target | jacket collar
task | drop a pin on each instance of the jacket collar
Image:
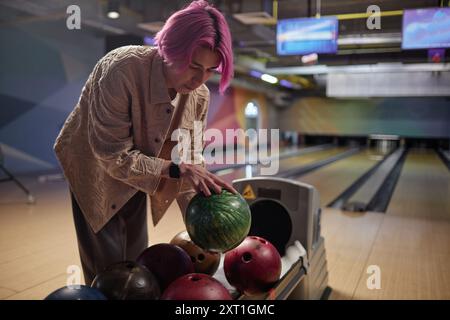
(159, 91)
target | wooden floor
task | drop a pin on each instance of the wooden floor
(336, 177)
(423, 187)
(38, 243)
(413, 255)
(410, 243)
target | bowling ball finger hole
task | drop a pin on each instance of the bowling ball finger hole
(193, 259)
(201, 257)
(195, 278)
(247, 257)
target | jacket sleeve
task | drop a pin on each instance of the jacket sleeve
(110, 130)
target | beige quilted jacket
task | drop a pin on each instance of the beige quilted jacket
(111, 144)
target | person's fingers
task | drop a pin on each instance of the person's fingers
(208, 182)
(195, 183)
(213, 185)
(205, 189)
(198, 188)
(230, 188)
(224, 184)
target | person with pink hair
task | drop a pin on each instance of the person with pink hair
(116, 147)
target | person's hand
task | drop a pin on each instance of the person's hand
(202, 180)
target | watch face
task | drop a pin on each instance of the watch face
(174, 171)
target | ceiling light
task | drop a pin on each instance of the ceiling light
(113, 14)
(310, 58)
(113, 11)
(268, 78)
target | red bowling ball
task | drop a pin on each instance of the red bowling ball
(196, 286)
(167, 262)
(253, 267)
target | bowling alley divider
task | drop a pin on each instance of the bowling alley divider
(183, 310)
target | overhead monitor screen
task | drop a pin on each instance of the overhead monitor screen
(307, 35)
(426, 28)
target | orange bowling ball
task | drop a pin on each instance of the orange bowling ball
(204, 261)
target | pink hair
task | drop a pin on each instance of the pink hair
(199, 24)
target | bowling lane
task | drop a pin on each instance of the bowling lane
(284, 164)
(333, 179)
(416, 224)
(357, 241)
(423, 189)
(284, 152)
(349, 237)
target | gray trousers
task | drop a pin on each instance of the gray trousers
(123, 238)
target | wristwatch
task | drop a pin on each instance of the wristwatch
(174, 170)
